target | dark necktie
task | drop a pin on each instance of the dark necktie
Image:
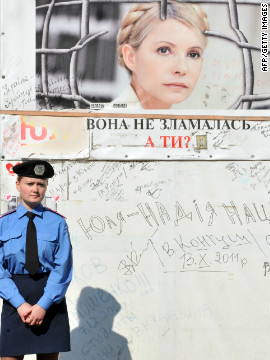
(31, 255)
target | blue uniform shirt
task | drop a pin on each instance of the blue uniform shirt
(54, 250)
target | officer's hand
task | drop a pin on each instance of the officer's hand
(35, 315)
(23, 310)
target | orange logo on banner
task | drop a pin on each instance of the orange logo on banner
(33, 131)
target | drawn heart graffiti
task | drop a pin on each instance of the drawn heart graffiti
(7, 197)
(9, 167)
(56, 198)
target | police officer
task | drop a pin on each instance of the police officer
(35, 271)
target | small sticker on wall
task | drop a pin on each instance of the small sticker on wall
(12, 201)
(56, 198)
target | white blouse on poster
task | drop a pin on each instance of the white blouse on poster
(129, 97)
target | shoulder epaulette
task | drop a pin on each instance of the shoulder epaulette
(54, 212)
(8, 212)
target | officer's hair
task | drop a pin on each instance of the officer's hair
(19, 178)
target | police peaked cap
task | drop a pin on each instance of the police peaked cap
(34, 169)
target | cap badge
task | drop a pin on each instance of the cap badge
(39, 169)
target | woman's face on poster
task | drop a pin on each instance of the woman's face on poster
(166, 66)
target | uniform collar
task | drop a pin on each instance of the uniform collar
(21, 210)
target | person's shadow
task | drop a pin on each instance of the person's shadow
(94, 338)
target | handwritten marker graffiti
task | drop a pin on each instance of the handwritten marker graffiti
(266, 266)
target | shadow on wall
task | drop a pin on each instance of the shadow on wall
(94, 338)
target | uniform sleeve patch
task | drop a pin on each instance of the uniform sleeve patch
(8, 212)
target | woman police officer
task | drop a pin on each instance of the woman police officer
(35, 271)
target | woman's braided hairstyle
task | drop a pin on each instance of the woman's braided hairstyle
(142, 17)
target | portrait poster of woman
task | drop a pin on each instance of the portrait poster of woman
(203, 56)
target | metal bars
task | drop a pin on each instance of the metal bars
(244, 101)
